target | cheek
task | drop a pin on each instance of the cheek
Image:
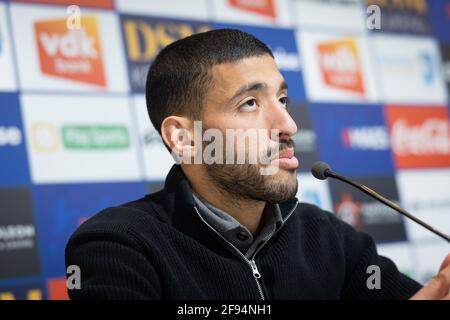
(257, 119)
(247, 132)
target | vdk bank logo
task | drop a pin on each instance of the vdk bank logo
(71, 53)
(340, 65)
(47, 137)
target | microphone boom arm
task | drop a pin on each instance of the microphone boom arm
(387, 202)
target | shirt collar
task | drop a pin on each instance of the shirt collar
(236, 233)
(176, 203)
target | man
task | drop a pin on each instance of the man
(228, 229)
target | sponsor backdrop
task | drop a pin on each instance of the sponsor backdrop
(75, 136)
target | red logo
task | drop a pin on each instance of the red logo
(57, 289)
(420, 136)
(262, 7)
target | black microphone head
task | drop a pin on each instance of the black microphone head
(319, 170)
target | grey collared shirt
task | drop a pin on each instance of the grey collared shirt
(234, 232)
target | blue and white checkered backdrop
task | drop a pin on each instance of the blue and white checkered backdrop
(75, 136)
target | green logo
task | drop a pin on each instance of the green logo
(89, 137)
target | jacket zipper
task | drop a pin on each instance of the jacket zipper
(251, 262)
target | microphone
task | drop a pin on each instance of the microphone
(322, 171)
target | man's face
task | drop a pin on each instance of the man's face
(251, 95)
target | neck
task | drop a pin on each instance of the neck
(246, 211)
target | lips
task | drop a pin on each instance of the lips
(286, 154)
(286, 159)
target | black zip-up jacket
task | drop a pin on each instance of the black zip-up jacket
(158, 247)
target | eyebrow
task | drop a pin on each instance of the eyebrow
(253, 86)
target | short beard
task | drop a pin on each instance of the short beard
(245, 181)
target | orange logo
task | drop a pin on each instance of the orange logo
(262, 7)
(340, 65)
(420, 136)
(71, 54)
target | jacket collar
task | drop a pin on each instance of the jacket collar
(179, 204)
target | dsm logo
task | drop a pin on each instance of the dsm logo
(145, 36)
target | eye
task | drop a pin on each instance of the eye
(284, 101)
(248, 105)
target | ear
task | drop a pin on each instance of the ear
(177, 133)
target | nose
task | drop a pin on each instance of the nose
(282, 120)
